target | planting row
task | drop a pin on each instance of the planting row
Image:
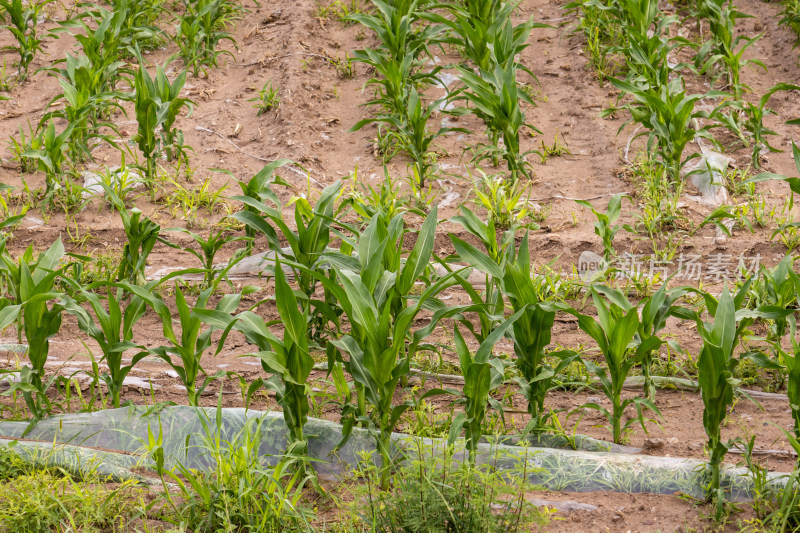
(358, 303)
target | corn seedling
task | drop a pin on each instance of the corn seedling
(183, 352)
(157, 104)
(201, 29)
(753, 121)
(287, 359)
(87, 95)
(496, 100)
(655, 310)
(606, 227)
(615, 331)
(259, 189)
(306, 245)
(791, 361)
(37, 308)
(481, 376)
(142, 234)
(483, 32)
(52, 155)
(113, 332)
(267, 99)
(666, 113)
(491, 261)
(531, 334)
(377, 303)
(716, 365)
(24, 23)
(410, 130)
(723, 47)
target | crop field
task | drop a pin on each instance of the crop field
(399, 265)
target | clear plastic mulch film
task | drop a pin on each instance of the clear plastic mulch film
(112, 443)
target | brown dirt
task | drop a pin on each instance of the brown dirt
(311, 127)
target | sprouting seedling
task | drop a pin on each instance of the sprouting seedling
(606, 227)
(267, 99)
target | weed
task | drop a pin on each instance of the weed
(557, 149)
(190, 201)
(267, 99)
(30, 142)
(435, 492)
(504, 202)
(238, 493)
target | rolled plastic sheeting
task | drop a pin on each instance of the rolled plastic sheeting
(125, 430)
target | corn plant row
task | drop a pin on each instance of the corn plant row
(93, 81)
(369, 281)
(638, 33)
(489, 43)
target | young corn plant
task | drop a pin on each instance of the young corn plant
(777, 288)
(716, 365)
(37, 308)
(51, 156)
(112, 331)
(724, 46)
(287, 359)
(495, 98)
(606, 227)
(306, 244)
(142, 234)
(531, 335)
(380, 309)
(23, 24)
(157, 104)
(615, 331)
(483, 32)
(411, 133)
(259, 189)
(655, 310)
(184, 352)
(202, 27)
(747, 121)
(482, 374)
(791, 361)
(491, 261)
(88, 93)
(666, 113)
(715, 374)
